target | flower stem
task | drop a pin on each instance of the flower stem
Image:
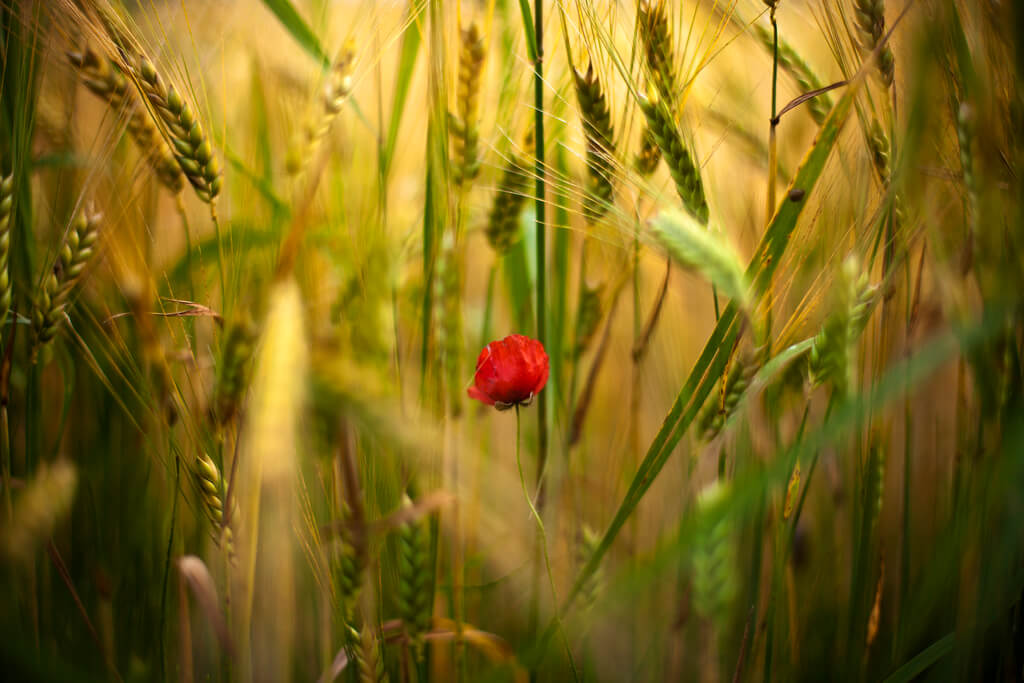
(544, 548)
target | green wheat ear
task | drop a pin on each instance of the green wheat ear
(600, 137)
(684, 171)
(513, 190)
(714, 559)
(52, 298)
(870, 16)
(831, 356)
(415, 579)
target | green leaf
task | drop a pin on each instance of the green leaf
(290, 18)
(406, 68)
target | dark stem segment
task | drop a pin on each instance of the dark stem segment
(538, 100)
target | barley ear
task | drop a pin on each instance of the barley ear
(702, 250)
(799, 70)
(448, 284)
(718, 409)
(189, 143)
(6, 204)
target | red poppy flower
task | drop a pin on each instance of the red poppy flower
(510, 372)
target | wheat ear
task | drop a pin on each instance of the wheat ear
(831, 355)
(684, 172)
(233, 377)
(211, 489)
(464, 126)
(105, 79)
(415, 579)
(75, 253)
(513, 189)
(190, 145)
(599, 134)
(871, 27)
(656, 36)
(336, 90)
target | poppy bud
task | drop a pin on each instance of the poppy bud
(510, 372)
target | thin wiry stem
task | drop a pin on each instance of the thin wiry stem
(544, 547)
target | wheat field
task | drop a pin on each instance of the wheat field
(511, 340)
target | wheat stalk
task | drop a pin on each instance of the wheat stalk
(6, 204)
(189, 143)
(792, 63)
(105, 79)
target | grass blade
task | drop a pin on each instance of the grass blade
(293, 22)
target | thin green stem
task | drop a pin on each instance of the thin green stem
(544, 548)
